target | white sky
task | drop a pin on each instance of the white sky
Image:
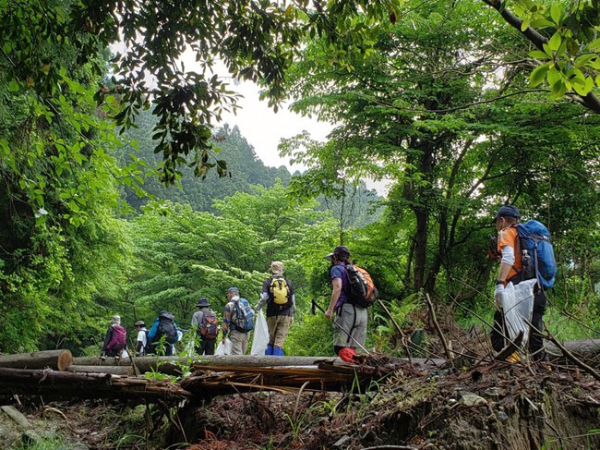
(264, 129)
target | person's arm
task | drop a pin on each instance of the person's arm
(262, 302)
(152, 331)
(508, 255)
(336, 285)
(226, 320)
(264, 295)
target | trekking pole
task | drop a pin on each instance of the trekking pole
(314, 312)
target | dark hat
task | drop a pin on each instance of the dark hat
(508, 211)
(233, 290)
(340, 250)
(202, 303)
(139, 323)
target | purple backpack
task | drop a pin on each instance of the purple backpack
(118, 339)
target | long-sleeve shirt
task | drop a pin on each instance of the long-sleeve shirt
(227, 316)
(154, 330)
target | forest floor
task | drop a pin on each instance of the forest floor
(497, 406)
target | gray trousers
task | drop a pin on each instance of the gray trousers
(239, 342)
(351, 321)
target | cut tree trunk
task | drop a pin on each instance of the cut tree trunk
(587, 347)
(54, 359)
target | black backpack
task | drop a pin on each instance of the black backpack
(166, 327)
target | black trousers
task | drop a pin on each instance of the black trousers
(536, 342)
(206, 347)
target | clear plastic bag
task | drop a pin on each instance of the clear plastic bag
(224, 348)
(517, 305)
(261, 335)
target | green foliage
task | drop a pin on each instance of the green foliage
(182, 255)
(301, 340)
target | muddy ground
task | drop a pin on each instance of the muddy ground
(497, 406)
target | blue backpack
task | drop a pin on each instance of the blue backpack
(537, 253)
(244, 316)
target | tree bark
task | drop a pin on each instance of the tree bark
(168, 364)
(66, 385)
(587, 347)
(112, 370)
(54, 359)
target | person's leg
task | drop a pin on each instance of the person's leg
(244, 339)
(201, 347)
(236, 342)
(359, 332)
(209, 346)
(498, 332)
(536, 341)
(283, 327)
(168, 349)
(342, 326)
(272, 324)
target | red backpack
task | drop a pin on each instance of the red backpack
(208, 326)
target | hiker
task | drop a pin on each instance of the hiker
(141, 343)
(350, 320)
(204, 321)
(512, 270)
(115, 339)
(238, 321)
(164, 325)
(278, 294)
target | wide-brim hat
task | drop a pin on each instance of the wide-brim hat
(202, 303)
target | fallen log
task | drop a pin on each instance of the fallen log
(54, 359)
(113, 370)
(588, 347)
(169, 364)
(66, 385)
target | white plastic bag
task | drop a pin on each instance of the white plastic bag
(517, 305)
(261, 335)
(224, 348)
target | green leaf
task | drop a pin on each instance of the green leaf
(553, 76)
(559, 89)
(598, 80)
(555, 12)
(595, 44)
(538, 54)
(538, 74)
(524, 25)
(542, 23)
(555, 42)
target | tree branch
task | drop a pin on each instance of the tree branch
(590, 101)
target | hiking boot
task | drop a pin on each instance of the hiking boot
(514, 358)
(269, 350)
(277, 351)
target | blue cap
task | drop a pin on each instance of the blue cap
(508, 211)
(233, 290)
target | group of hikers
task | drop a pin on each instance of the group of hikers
(524, 251)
